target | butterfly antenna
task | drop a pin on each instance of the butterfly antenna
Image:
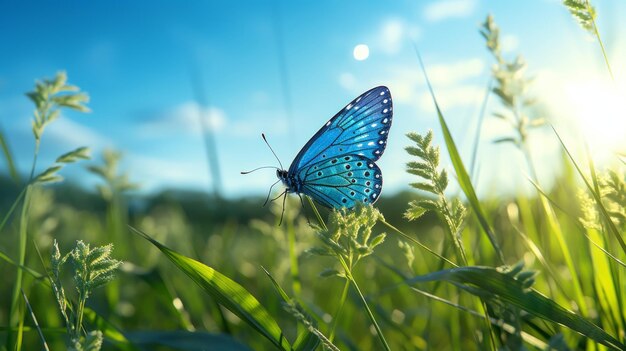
(269, 193)
(256, 169)
(268, 145)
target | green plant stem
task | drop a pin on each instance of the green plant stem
(9, 158)
(555, 228)
(28, 270)
(16, 315)
(317, 214)
(597, 33)
(342, 301)
(529, 161)
(20, 331)
(36, 154)
(453, 231)
(369, 312)
(293, 258)
(448, 218)
(13, 207)
(32, 314)
(456, 239)
(481, 117)
(79, 315)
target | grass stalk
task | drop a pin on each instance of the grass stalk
(79, 314)
(463, 177)
(20, 329)
(296, 284)
(208, 135)
(317, 214)
(603, 211)
(16, 315)
(8, 156)
(555, 228)
(481, 118)
(32, 315)
(6, 217)
(337, 315)
(596, 32)
(349, 276)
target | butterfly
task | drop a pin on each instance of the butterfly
(337, 166)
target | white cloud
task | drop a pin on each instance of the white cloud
(68, 133)
(347, 81)
(393, 34)
(449, 81)
(453, 73)
(267, 122)
(184, 119)
(452, 97)
(405, 87)
(153, 172)
(445, 9)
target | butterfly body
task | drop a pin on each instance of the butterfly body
(289, 181)
(337, 166)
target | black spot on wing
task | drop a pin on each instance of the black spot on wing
(341, 187)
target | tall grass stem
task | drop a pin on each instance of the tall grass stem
(349, 276)
(597, 34)
(337, 315)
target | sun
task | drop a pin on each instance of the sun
(361, 52)
(599, 107)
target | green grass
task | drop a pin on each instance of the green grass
(423, 270)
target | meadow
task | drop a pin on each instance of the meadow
(106, 269)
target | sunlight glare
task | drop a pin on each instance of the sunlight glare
(600, 110)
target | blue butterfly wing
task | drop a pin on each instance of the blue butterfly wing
(342, 181)
(360, 128)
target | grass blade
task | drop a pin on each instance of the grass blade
(32, 315)
(591, 240)
(28, 270)
(605, 214)
(16, 316)
(9, 158)
(6, 217)
(227, 292)
(305, 340)
(479, 127)
(490, 283)
(462, 175)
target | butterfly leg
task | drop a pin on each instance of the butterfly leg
(269, 193)
(279, 195)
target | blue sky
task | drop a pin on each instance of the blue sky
(136, 60)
